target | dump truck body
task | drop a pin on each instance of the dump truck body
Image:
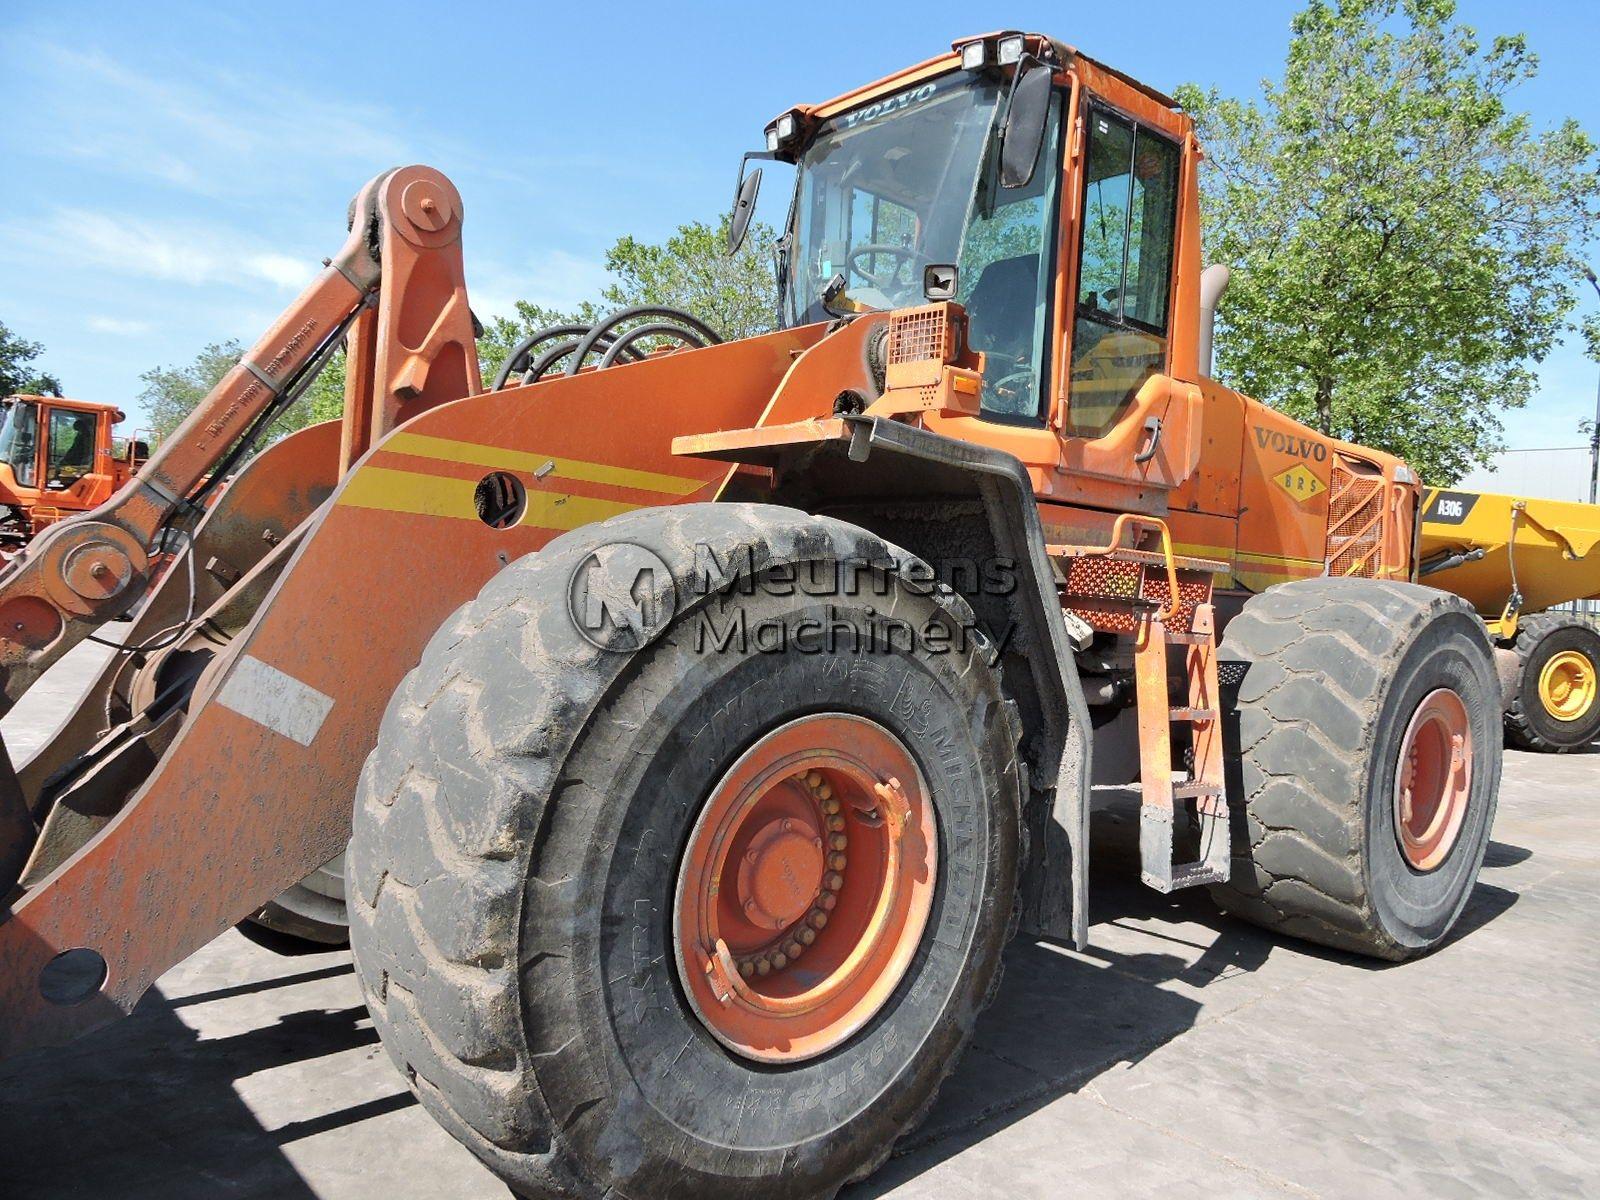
(1517, 559)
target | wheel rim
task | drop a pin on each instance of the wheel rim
(805, 888)
(1567, 685)
(1433, 780)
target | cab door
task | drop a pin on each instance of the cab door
(69, 459)
(1125, 420)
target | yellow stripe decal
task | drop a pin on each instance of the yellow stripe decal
(438, 496)
(449, 450)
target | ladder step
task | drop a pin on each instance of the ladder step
(1190, 639)
(1195, 788)
(1197, 715)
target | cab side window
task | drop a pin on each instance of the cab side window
(71, 454)
(1129, 216)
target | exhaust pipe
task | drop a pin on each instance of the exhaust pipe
(1213, 282)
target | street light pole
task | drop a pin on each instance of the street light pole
(1594, 434)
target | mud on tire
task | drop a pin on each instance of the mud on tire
(517, 834)
(1322, 678)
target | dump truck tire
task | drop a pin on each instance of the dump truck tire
(1328, 682)
(1555, 703)
(523, 857)
(312, 910)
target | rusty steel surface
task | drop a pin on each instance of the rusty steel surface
(805, 887)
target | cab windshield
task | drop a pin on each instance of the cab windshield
(889, 188)
(884, 190)
(19, 439)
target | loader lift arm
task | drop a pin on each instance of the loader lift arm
(85, 571)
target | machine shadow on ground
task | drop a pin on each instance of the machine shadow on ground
(1062, 1019)
(149, 1108)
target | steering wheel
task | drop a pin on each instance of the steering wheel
(900, 254)
(1016, 391)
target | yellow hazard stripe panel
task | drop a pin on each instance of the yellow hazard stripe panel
(438, 496)
(449, 450)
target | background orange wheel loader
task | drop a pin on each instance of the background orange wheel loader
(712, 712)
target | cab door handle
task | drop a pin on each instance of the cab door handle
(1152, 433)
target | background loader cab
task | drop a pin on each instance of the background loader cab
(59, 456)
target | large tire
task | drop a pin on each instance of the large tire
(1326, 677)
(517, 834)
(1546, 643)
(312, 910)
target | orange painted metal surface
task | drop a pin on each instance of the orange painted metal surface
(66, 481)
(805, 887)
(297, 693)
(1433, 779)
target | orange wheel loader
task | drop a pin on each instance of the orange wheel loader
(711, 713)
(58, 457)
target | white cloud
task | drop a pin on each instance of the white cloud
(557, 279)
(119, 326)
(186, 252)
(202, 130)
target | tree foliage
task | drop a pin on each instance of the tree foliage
(17, 373)
(734, 294)
(171, 393)
(1405, 243)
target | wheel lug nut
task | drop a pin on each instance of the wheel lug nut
(807, 936)
(779, 962)
(824, 791)
(830, 807)
(837, 862)
(819, 920)
(814, 778)
(838, 841)
(747, 969)
(834, 882)
(762, 966)
(793, 950)
(835, 824)
(827, 900)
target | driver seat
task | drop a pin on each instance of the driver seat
(1001, 307)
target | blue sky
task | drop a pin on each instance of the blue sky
(171, 173)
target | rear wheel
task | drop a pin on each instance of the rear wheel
(312, 910)
(1367, 759)
(697, 919)
(1555, 704)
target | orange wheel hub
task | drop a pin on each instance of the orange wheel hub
(1433, 780)
(805, 887)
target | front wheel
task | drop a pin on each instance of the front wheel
(709, 918)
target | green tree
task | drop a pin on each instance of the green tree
(1405, 243)
(692, 270)
(17, 375)
(171, 393)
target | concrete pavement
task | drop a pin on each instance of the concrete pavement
(1181, 1051)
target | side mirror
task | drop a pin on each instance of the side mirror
(1023, 132)
(744, 207)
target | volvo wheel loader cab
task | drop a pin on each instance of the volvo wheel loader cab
(755, 689)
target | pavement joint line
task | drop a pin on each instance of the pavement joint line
(1277, 1181)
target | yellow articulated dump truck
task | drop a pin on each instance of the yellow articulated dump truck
(1515, 559)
